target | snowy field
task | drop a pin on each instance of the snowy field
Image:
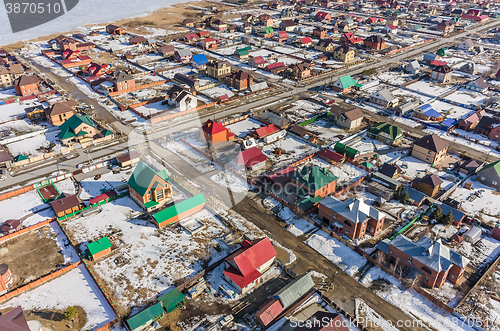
(108, 181)
(28, 205)
(296, 225)
(198, 161)
(155, 258)
(30, 146)
(152, 108)
(413, 167)
(338, 253)
(75, 288)
(467, 97)
(294, 149)
(12, 110)
(242, 128)
(429, 88)
(463, 141)
(346, 172)
(229, 181)
(218, 91)
(451, 111)
(487, 207)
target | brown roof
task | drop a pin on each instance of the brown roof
(26, 80)
(431, 180)
(58, 108)
(127, 157)
(354, 114)
(16, 69)
(299, 130)
(67, 202)
(14, 320)
(432, 142)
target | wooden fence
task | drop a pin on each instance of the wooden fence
(138, 87)
(16, 192)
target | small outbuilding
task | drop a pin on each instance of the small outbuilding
(172, 300)
(99, 248)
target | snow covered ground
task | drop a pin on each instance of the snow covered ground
(485, 250)
(463, 141)
(23, 205)
(413, 167)
(75, 288)
(227, 180)
(429, 88)
(338, 253)
(29, 146)
(346, 173)
(155, 258)
(296, 225)
(242, 128)
(200, 162)
(486, 207)
(108, 181)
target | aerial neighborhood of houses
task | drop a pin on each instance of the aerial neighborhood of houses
(240, 165)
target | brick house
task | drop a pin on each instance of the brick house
(488, 126)
(265, 20)
(66, 204)
(214, 132)
(325, 46)
(208, 43)
(218, 69)
(240, 80)
(95, 69)
(26, 85)
(218, 25)
(347, 119)
(244, 268)
(343, 53)
(59, 112)
(490, 175)
(429, 184)
(299, 71)
(10, 74)
(314, 181)
(442, 73)
(471, 121)
(320, 32)
(431, 149)
(433, 260)
(115, 30)
(374, 42)
(352, 217)
(149, 188)
(77, 129)
(322, 16)
(122, 81)
(446, 26)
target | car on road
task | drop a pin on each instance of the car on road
(2, 177)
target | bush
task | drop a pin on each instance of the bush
(405, 198)
(437, 213)
(368, 72)
(70, 313)
(448, 219)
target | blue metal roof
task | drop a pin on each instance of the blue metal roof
(200, 59)
(432, 113)
(449, 122)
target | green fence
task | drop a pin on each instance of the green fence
(100, 203)
(43, 184)
(309, 121)
(411, 222)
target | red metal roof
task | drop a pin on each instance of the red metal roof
(250, 157)
(102, 197)
(275, 65)
(331, 155)
(212, 127)
(265, 131)
(249, 259)
(438, 63)
(240, 280)
(306, 40)
(269, 311)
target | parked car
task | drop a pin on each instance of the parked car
(2, 177)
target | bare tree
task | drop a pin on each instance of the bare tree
(380, 258)
(415, 281)
(394, 266)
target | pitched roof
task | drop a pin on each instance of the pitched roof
(265, 130)
(354, 114)
(495, 165)
(122, 76)
(393, 131)
(295, 289)
(386, 95)
(200, 59)
(70, 125)
(331, 155)
(145, 316)
(252, 255)
(68, 201)
(430, 179)
(26, 80)
(179, 208)
(347, 81)
(388, 169)
(14, 320)
(355, 210)
(212, 127)
(58, 108)
(442, 68)
(481, 83)
(432, 142)
(314, 177)
(374, 39)
(99, 245)
(250, 157)
(142, 177)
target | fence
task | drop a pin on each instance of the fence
(27, 229)
(25, 136)
(408, 47)
(16, 192)
(163, 116)
(29, 97)
(138, 87)
(234, 120)
(100, 203)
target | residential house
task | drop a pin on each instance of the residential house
(390, 28)
(95, 69)
(431, 149)
(145, 318)
(469, 167)
(181, 99)
(390, 170)
(265, 20)
(431, 57)
(137, 40)
(490, 175)
(13, 319)
(267, 32)
(350, 38)
(331, 156)
(466, 45)
(427, 113)
(243, 53)
(199, 61)
(66, 204)
(245, 28)
(10, 74)
(218, 69)
(281, 36)
(304, 42)
(191, 82)
(384, 98)
(179, 210)
(435, 261)
(446, 26)
(470, 67)
(188, 22)
(128, 159)
(343, 53)
(122, 81)
(299, 71)
(251, 159)
(208, 43)
(276, 68)
(413, 67)
(240, 80)
(257, 62)
(218, 25)
(322, 16)
(325, 46)
(442, 73)
(263, 131)
(386, 133)
(347, 119)
(191, 38)
(183, 55)
(352, 217)
(486, 125)
(204, 34)
(26, 85)
(115, 30)
(244, 268)
(59, 112)
(77, 128)
(215, 133)
(429, 184)
(167, 50)
(149, 188)
(314, 181)
(374, 42)
(287, 25)
(320, 32)
(471, 121)
(344, 84)
(479, 85)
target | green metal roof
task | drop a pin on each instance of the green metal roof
(268, 29)
(150, 204)
(106, 132)
(495, 165)
(343, 149)
(347, 81)
(179, 208)
(367, 164)
(142, 176)
(308, 202)
(20, 157)
(244, 50)
(65, 135)
(147, 315)
(295, 289)
(99, 245)
(82, 133)
(172, 299)
(314, 177)
(68, 127)
(393, 131)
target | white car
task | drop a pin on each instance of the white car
(2, 177)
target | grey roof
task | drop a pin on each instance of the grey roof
(274, 119)
(384, 178)
(295, 289)
(429, 252)
(386, 94)
(258, 86)
(184, 52)
(410, 105)
(414, 194)
(122, 76)
(355, 210)
(413, 65)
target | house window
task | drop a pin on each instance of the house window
(410, 260)
(334, 215)
(429, 152)
(427, 270)
(427, 158)
(159, 195)
(494, 182)
(426, 279)
(347, 231)
(452, 276)
(347, 223)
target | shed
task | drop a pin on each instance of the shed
(294, 290)
(140, 320)
(269, 311)
(473, 235)
(128, 159)
(346, 150)
(99, 248)
(172, 300)
(180, 210)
